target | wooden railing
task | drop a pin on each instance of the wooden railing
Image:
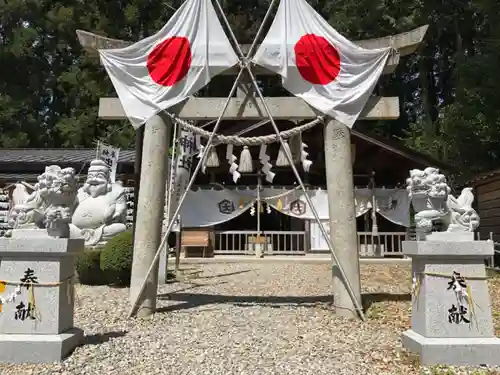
(382, 244)
(492, 261)
(296, 243)
(234, 242)
(271, 242)
(290, 242)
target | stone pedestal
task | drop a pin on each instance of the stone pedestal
(51, 336)
(432, 335)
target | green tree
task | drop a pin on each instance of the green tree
(50, 87)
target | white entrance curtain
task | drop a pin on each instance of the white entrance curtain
(394, 205)
(203, 208)
(294, 204)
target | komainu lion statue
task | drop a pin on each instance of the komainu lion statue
(430, 197)
(95, 212)
(51, 205)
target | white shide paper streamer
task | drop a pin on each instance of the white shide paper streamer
(266, 166)
(231, 159)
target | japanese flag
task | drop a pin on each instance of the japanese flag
(164, 69)
(319, 65)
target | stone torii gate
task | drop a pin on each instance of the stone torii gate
(339, 174)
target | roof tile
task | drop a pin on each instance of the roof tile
(57, 155)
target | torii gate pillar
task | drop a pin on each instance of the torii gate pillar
(343, 234)
(154, 167)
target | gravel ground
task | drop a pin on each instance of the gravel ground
(245, 319)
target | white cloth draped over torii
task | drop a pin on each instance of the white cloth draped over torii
(163, 69)
(204, 208)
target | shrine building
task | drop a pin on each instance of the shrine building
(281, 221)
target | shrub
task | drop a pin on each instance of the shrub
(88, 268)
(116, 259)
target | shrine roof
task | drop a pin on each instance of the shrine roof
(397, 147)
(483, 178)
(19, 176)
(67, 156)
(57, 155)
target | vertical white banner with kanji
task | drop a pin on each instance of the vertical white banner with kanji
(182, 172)
(110, 155)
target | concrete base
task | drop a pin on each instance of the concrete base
(453, 351)
(38, 348)
(450, 236)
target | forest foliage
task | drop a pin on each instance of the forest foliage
(450, 101)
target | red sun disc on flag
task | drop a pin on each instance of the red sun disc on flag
(170, 60)
(317, 60)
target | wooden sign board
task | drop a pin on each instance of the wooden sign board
(195, 237)
(259, 239)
